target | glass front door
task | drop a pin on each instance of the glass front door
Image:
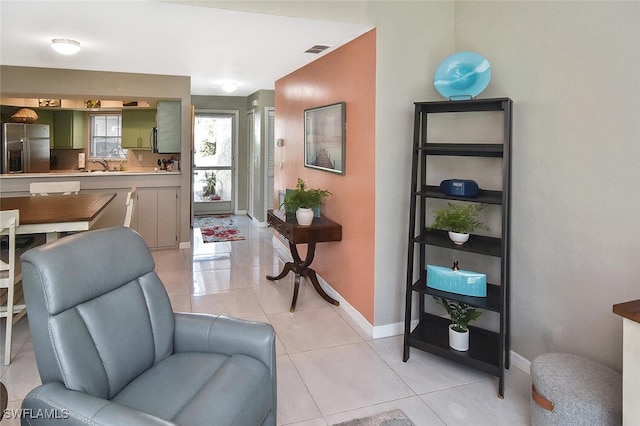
(213, 165)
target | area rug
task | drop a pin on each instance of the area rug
(215, 229)
(390, 418)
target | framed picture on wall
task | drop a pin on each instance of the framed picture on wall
(324, 138)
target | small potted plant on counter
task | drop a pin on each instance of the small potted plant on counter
(302, 200)
(459, 220)
(461, 315)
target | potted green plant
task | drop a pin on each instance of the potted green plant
(210, 180)
(302, 200)
(459, 220)
(461, 315)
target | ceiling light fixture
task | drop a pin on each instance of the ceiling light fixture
(229, 86)
(65, 46)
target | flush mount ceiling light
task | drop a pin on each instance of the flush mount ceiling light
(65, 46)
(229, 86)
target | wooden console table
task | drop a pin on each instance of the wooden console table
(321, 230)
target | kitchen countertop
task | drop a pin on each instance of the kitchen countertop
(16, 184)
(78, 173)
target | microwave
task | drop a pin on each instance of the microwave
(153, 139)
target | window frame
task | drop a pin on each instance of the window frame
(123, 152)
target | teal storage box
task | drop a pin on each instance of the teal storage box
(457, 281)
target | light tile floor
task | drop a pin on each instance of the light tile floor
(329, 371)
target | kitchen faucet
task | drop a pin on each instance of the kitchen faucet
(102, 162)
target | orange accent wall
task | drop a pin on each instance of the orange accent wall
(346, 74)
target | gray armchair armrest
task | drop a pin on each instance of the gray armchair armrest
(52, 403)
(229, 336)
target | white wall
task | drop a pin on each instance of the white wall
(412, 40)
(573, 72)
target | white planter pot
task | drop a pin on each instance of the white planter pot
(304, 216)
(458, 341)
(458, 238)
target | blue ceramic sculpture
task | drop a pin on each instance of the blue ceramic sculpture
(463, 75)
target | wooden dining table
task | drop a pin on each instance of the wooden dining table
(53, 214)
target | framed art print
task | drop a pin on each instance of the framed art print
(324, 138)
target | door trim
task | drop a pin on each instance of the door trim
(234, 154)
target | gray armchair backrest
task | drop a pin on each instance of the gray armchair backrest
(98, 313)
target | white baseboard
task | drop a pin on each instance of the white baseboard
(352, 313)
(257, 223)
(520, 362)
(389, 330)
(283, 250)
(381, 331)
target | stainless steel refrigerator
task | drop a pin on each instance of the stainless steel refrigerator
(25, 148)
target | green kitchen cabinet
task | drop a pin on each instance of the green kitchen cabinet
(136, 128)
(169, 129)
(70, 129)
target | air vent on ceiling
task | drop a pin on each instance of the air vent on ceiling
(317, 48)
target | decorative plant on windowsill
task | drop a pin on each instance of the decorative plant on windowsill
(304, 199)
(461, 315)
(459, 220)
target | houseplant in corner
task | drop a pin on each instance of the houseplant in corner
(459, 220)
(302, 200)
(461, 315)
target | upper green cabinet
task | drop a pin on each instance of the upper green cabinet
(69, 129)
(169, 129)
(136, 128)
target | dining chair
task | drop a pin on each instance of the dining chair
(46, 188)
(131, 201)
(9, 277)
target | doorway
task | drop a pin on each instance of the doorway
(261, 143)
(213, 173)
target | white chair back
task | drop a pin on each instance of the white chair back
(46, 188)
(131, 201)
(9, 220)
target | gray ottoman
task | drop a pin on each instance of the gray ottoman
(572, 390)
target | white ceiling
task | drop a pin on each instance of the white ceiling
(209, 45)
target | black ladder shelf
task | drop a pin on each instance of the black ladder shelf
(488, 350)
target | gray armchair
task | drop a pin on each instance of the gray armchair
(110, 351)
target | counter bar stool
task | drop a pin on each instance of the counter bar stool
(9, 219)
(46, 188)
(131, 201)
